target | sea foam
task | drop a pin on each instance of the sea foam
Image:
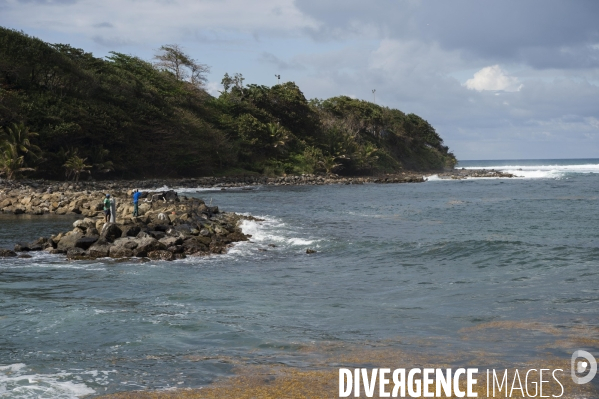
(17, 381)
(542, 171)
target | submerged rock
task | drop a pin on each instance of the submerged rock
(7, 253)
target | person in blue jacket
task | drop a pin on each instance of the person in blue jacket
(136, 195)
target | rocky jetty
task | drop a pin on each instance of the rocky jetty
(459, 174)
(168, 227)
(39, 197)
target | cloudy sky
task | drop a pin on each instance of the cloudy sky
(501, 79)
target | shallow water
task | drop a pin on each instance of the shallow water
(508, 267)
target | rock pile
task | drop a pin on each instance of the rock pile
(168, 228)
(459, 174)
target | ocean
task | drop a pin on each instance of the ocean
(475, 272)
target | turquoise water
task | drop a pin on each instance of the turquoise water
(416, 261)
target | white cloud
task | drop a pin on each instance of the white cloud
(493, 78)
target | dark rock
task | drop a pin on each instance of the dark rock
(100, 249)
(22, 247)
(111, 232)
(73, 252)
(147, 245)
(157, 234)
(236, 236)
(177, 249)
(86, 242)
(91, 232)
(126, 242)
(7, 253)
(171, 241)
(25, 256)
(161, 227)
(56, 251)
(143, 234)
(161, 255)
(180, 256)
(120, 252)
(131, 231)
(204, 240)
(310, 251)
(41, 243)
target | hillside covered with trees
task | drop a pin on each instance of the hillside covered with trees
(64, 112)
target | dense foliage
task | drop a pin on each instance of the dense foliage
(126, 117)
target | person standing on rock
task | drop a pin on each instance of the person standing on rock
(136, 195)
(107, 208)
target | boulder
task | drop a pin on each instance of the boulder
(126, 242)
(54, 251)
(120, 252)
(177, 249)
(131, 231)
(7, 253)
(86, 242)
(237, 236)
(205, 232)
(193, 245)
(75, 252)
(22, 247)
(69, 239)
(147, 245)
(84, 224)
(161, 255)
(110, 232)
(92, 231)
(157, 234)
(100, 249)
(100, 224)
(171, 241)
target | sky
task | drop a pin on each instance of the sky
(498, 79)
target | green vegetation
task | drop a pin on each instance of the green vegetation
(126, 117)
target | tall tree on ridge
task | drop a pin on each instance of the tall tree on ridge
(171, 58)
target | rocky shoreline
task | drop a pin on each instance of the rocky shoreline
(169, 227)
(459, 174)
(39, 197)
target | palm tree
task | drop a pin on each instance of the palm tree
(329, 163)
(75, 166)
(16, 149)
(278, 135)
(365, 156)
(11, 164)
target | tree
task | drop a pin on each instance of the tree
(75, 166)
(11, 164)
(16, 150)
(171, 58)
(278, 135)
(226, 82)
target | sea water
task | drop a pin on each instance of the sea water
(420, 267)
